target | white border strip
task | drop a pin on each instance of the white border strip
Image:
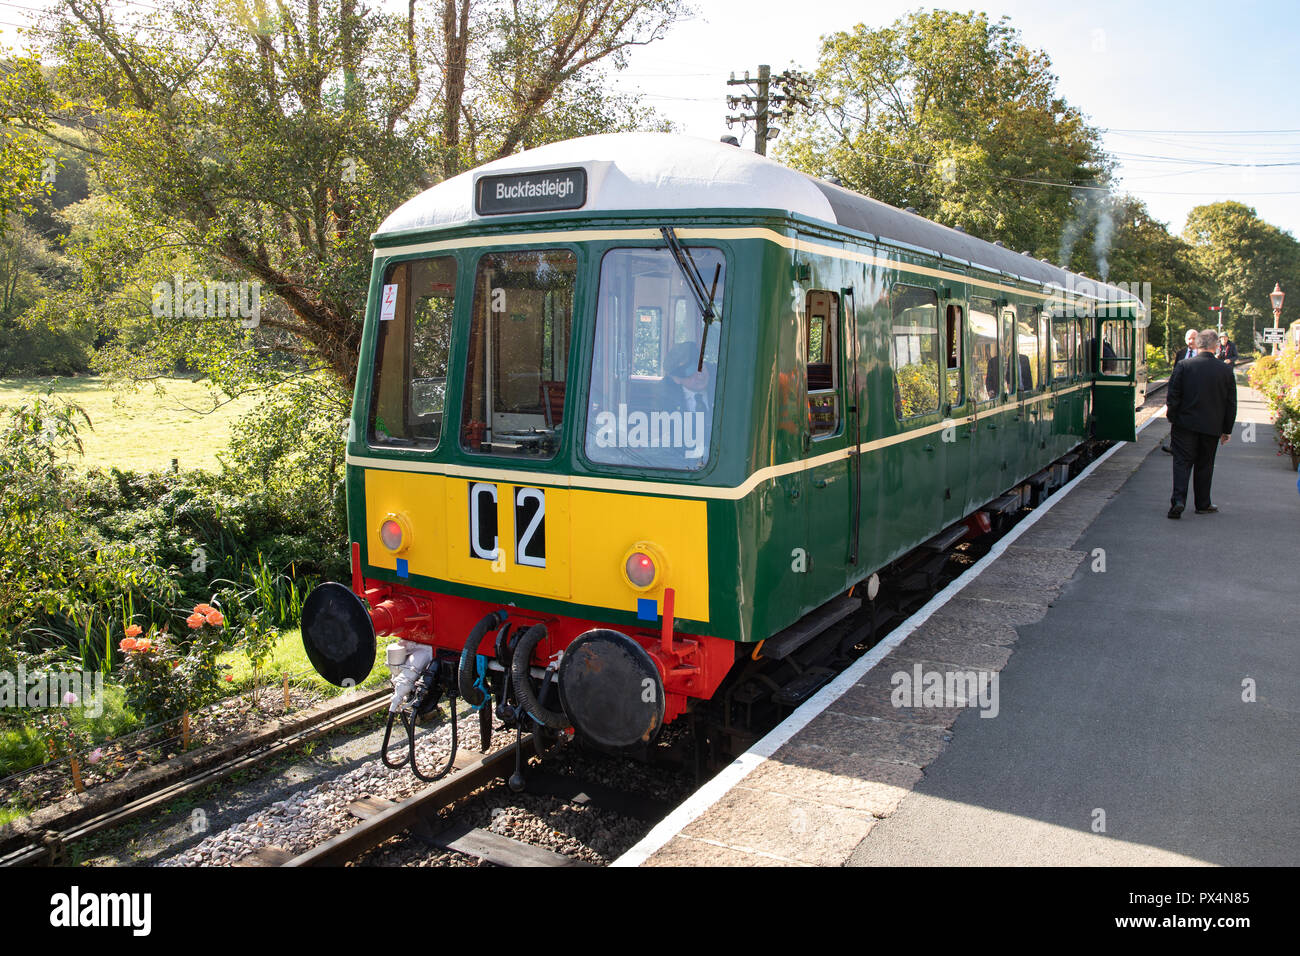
(697, 803)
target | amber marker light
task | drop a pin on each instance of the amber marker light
(643, 566)
(395, 533)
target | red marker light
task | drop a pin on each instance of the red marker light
(640, 569)
(390, 533)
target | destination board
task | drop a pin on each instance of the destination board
(1274, 336)
(531, 192)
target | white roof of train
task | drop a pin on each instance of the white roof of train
(632, 171)
(661, 171)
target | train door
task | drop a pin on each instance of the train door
(832, 426)
(1111, 354)
(958, 438)
(1029, 385)
(983, 382)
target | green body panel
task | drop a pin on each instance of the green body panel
(909, 489)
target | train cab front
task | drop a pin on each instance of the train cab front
(530, 429)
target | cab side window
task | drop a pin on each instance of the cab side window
(822, 360)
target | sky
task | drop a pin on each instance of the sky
(1180, 88)
(1195, 98)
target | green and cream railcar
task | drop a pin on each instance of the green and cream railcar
(652, 399)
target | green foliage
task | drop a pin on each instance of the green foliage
(25, 736)
(64, 582)
(1278, 379)
(951, 114)
(246, 141)
(1143, 251)
(92, 553)
(1159, 365)
(1245, 256)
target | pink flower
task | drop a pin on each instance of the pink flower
(69, 699)
(96, 755)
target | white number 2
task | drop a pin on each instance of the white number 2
(525, 539)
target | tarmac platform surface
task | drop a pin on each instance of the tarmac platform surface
(1147, 706)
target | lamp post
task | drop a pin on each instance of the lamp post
(1276, 297)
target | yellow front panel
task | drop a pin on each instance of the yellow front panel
(605, 525)
(421, 498)
(588, 534)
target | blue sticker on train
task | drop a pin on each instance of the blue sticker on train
(647, 609)
(402, 571)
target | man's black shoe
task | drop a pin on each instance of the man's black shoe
(1166, 449)
(1207, 511)
(1176, 511)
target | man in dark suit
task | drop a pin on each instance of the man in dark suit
(1202, 405)
(1184, 353)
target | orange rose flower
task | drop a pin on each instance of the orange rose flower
(133, 630)
(144, 646)
(195, 621)
(126, 644)
(215, 619)
(202, 608)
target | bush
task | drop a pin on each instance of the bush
(1158, 365)
(164, 677)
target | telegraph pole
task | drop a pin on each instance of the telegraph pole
(1168, 342)
(765, 105)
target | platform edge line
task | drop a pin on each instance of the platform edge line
(702, 799)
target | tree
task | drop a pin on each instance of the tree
(952, 115)
(244, 140)
(1143, 251)
(1244, 256)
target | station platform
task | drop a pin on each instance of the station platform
(1142, 704)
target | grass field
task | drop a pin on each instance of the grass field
(290, 658)
(144, 430)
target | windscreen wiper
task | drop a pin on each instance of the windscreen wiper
(695, 281)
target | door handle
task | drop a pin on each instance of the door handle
(820, 483)
(929, 448)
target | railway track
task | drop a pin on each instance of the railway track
(448, 821)
(52, 844)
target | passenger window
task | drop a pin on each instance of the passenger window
(984, 356)
(914, 351)
(1043, 324)
(411, 352)
(1061, 351)
(823, 310)
(1008, 352)
(1027, 373)
(955, 339)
